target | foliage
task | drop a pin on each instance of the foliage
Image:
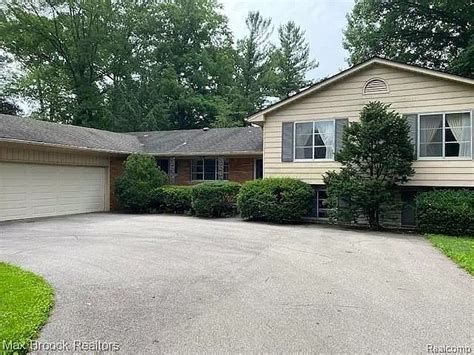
(291, 61)
(26, 300)
(135, 65)
(173, 199)
(281, 200)
(141, 177)
(459, 249)
(435, 34)
(9, 108)
(253, 65)
(376, 154)
(215, 199)
(446, 212)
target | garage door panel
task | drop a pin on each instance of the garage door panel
(29, 190)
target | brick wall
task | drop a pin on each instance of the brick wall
(240, 170)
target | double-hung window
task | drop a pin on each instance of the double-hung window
(314, 140)
(208, 169)
(445, 135)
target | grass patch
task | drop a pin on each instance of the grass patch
(25, 302)
(459, 249)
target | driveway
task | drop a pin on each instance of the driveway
(155, 283)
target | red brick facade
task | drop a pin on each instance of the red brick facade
(241, 169)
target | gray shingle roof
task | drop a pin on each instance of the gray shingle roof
(27, 129)
(236, 140)
(241, 140)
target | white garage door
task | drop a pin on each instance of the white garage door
(30, 190)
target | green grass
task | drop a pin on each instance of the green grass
(25, 302)
(459, 249)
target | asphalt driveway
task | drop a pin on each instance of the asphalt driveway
(155, 283)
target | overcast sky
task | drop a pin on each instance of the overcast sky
(323, 21)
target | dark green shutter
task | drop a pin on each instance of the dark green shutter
(413, 124)
(340, 124)
(287, 141)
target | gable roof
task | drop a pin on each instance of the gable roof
(217, 141)
(259, 115)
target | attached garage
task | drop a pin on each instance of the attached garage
(40, 190)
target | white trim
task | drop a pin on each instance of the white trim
(333, 120)
(260, 115)
(443, 143)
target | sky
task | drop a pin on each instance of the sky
(323, 21)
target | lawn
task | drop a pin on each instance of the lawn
(459, 249)
(25, 302)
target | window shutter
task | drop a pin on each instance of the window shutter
(340, 124)
(287, 141)
(413, 124)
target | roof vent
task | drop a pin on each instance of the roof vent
(375, 86)
(205, 129)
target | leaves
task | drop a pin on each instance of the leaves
(434, 34)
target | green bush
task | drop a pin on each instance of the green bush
(446, 212)
(281, 200)
(173, 199)
(134, 189)
(215, 199)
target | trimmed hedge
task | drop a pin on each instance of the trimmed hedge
(281, 200)
(173, 199)
(448, 212)
(215, 199)
(134, 189)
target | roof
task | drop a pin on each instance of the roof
(238, 140)
(229, 141)
(259, 115)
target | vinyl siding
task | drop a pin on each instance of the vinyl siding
(408, 93)
(22, 153)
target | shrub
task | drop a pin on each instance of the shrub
(134, 189)
(215, 199)
(281, 200)
(446, 212)
(173, 199)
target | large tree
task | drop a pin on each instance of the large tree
(376, 155)
(291, 61)
(253, 64)
(436, 34)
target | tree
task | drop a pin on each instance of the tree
(253, 53)
(377, 154)
(291, 61)
(9, 108)
(434, 34)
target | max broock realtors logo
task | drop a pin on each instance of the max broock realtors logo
(448, 349)
(61, 346)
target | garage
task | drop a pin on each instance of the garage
(41, 190)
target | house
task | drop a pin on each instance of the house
(302, 132)
(49, 169)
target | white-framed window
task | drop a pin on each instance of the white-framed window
(322, 208)
(314, 140)
(445, 135)
(206, 169)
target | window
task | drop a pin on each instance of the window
(314, 140)
(164, 164)
(445, 135)
(322, 207)
(208, 169)
(258, 168)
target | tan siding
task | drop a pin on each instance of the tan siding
(30, 154)
(409, 93)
